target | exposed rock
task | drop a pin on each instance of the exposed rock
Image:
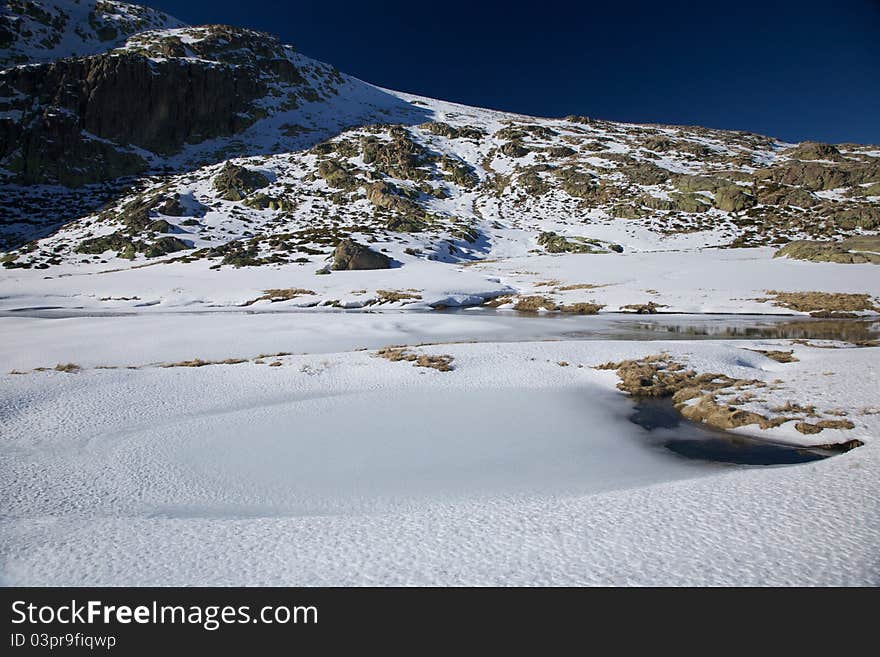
(561, 151)
(576, 183)
(817, 176)
(554, 243)
(406, 224)
(514, 149)
(787, 196)
(171, 207)
(234, 182)
(687, 183)
(151, 96)
(812, 150)
(336, 175)
(733, 198)
(387, 196)
(113, 242)
(645, 173)
(853, 250)
(454, 132)
(400, 157)
(164, 246)
(351, 255)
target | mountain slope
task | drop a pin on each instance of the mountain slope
(44, 30)
(164, 101)
(217, 148)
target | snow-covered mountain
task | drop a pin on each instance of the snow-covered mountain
(221, 147)
(43, 30)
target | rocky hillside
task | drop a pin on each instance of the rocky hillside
(222, 145)
(164, 101)
(44, 30)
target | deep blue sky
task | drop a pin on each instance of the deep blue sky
(793, 70)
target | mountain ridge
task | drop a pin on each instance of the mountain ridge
(245, 154)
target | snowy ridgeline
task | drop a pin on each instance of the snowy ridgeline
(466, 204)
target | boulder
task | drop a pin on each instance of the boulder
(733, 198)
(234, 182)
(349, 255)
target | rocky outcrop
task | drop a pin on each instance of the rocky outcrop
(127, 99)
(350, 255)
(854, 250)
(235, 182)
(149, 95)
(733, 198)
(812, 150)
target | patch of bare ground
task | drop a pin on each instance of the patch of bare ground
(198, 362)
(585, 308)
(474, 263)
(709, 397)
(280, 294)
(70, 368)
(535, 303)
(580, 286)
(392, 296)
(531, 304)
(644, 308)
(778, 356)
(442, 362)
(808, 428)
(823, 304)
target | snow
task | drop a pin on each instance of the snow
(340, 468)
(337, 467)
(696, 280)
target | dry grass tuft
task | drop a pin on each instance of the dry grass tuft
(778, 356)
(442, 362)
(280, 294)
(391, 296)
(820, 304)
(198, 362)
(580, 286)
(644, 308)
(533, 304)
(582, 308)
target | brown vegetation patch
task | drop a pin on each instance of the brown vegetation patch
(585, 308)
(644, 308)
(701, 397)
(198, 362)
(580, 286)
(533, 304)
(808, 428)
(442, 362)
(280, 294)
(823, 302)
(778, 356)
(391, 296)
